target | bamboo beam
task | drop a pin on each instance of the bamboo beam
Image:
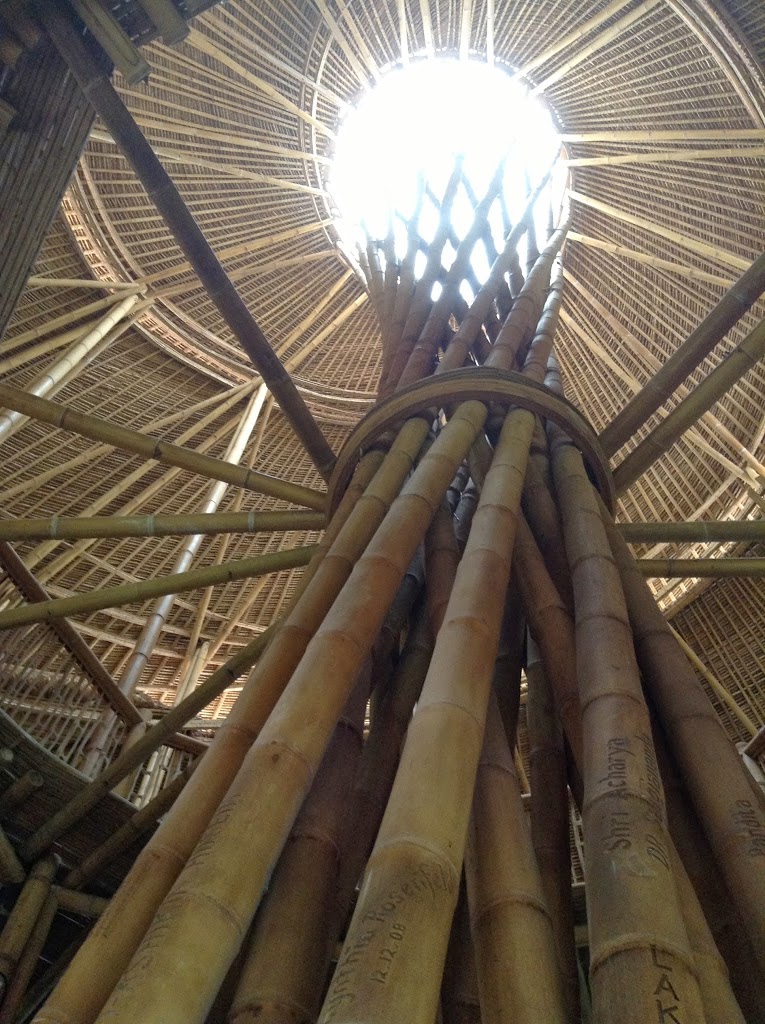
(700, 531)
(700, 568)
(20, 790)
(70, 638)
(177, 583)
(693, 244)
(601, 40)
(66, 418)
(98, 89)
(713, 328)
(703, 397)
(23, 917)
(206, 523)
(652, 261)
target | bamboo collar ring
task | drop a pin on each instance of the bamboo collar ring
(480, 383)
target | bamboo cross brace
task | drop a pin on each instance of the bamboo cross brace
(89, 527)
(178, 583)
(164, 452)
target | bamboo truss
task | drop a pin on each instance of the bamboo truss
(390, 818)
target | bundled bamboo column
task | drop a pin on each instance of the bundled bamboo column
(394, 953)
(639, 948)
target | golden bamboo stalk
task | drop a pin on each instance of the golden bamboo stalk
(715, 325)
(716, 686)
(552, 628)
(550, 821)
(153, 448)
(20, 790)
(11, 869)
(719, 910)
(21, 920)
(717, 781)
(28, 961)
(285, 963)
(639, 947)
(71, 528)
(714, 386)
(178, 583)
(718, 1000)
(81, 903)
(510, 920)
(252, 812)
(421, 841)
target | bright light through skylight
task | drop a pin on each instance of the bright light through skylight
(413, 126)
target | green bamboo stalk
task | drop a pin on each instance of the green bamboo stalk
(97, 429)
(72, 528)
(178, 583)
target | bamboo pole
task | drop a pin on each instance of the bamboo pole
(285, 964)
(639, 948)
(177, 583)
(81, 903)
(11, 869)
(700, 568)
(20, 790)
(703, 397)
(28, 961)
(550, 821)
(717, 781)
(71, 360)
(726, 925)
(205, 523)
(737, 300)
(126, 133)
(22, 918)
(716, 686)
(693, 532)
(153, 448)
(421, 841)
(510, 920)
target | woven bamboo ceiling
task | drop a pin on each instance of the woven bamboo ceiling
(660, 105)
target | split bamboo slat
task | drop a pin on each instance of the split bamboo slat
(392, 821)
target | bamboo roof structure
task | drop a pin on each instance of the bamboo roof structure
(660, 109)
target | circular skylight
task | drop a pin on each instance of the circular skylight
(397, 148)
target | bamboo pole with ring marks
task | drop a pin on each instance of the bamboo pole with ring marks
(153, 448)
